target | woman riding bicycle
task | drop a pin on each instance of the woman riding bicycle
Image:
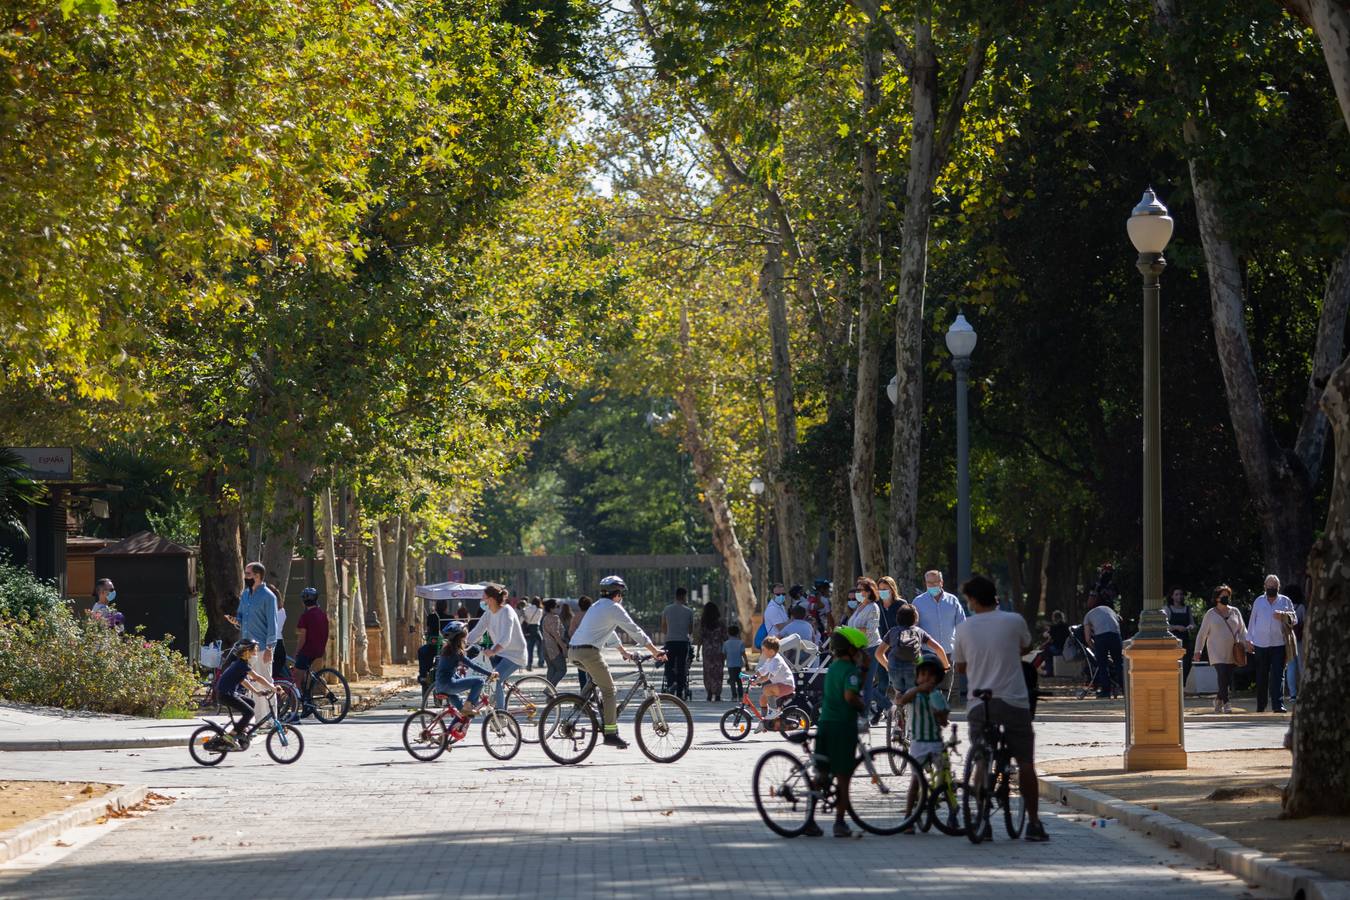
(584, 650)
(500, 623)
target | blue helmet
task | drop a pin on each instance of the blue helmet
(454, 626)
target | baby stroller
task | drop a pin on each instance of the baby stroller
(808, 666)
(1076, 648)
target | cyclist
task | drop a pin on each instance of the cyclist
(988, 650)
(502, 626)
(448, 680)
(584, 650)
(311, 632)
(235, 676)
(837, 728)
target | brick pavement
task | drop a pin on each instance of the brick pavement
(357, 817)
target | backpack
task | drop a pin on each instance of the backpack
(910, 645)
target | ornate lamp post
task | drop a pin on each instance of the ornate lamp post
(757, 487)
(1154, 703)
(961, 340)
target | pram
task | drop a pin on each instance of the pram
(808, 666)
(1076, 648)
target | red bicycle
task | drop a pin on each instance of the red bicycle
(737, 722)
(429, 733)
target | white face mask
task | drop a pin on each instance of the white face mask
(853, 604)
(935, 591)
(885, 594)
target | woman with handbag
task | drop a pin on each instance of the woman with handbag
(1223, 639)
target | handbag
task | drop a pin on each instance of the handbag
(1239, 648)
(209, 655)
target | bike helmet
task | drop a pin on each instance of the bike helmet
(244, 644)
(929, 660)
(610, 584)
(309, 594)
(854, 636)
(454, 626)
(823, 584)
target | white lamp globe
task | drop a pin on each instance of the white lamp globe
(757, 485)
(961, 337)
(893, 388)
(1149, 225)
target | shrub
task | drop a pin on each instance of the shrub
(23, 595)
(59, 660)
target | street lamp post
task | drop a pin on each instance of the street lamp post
(1155, 736)
(757, 487)
(961, 340)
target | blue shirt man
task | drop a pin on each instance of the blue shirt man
(258, 611)
(939, 611)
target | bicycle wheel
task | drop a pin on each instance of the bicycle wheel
(878, 792)
(736, 724)
(425, 735)
(285, 744)
(794, 720)
(331, 701)
(501, 734)
(1009, 794)
(978, 798)
(288, 703)
(783, 795)
(944, 809)
(665, 728)
(202, 745)
(568, 729)
(526, 698)
(895, 728)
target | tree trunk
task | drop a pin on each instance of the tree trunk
(338, 640)
(379, 598)
(862, 471)
(398, 590)
(352, 552)
(1013, 553)
(1320, 782)
(222, 556)
(1330, 20)
(908, 413)
(282, 523)
(793, 545)
(1327, 355)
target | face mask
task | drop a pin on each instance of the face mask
(935, 591)
(112, 595)
(885, 594)
(1272, 592)
(1223, 600)
(248, 583)
(482, 605)
(852, 603)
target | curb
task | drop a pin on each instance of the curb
(1210, 848)
(383, 693)
(32, 834)
(92, 744)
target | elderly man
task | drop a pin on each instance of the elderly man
(1271, 612)
(939, 614)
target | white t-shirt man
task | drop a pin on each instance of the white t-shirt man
(991, 646)
(1102, 620)
(775, 617)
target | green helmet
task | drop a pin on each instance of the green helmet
(854, 636)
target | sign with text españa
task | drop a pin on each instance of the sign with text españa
(47, 463)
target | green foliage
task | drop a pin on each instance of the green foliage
(82, 664)
(22, 595)
(17, 491)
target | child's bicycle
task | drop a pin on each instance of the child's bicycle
(737, 722)
(429, 733)
(991, 780)
(210, 743)
(944, 792)
(788, 789)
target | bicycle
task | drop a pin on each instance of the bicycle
(325, 693)
(896, 732)
(427, 733)
(788, 789)
(570, 723)
(209, 746)
(944, 805)
(525, 699)
(736, 722)
(991, 779)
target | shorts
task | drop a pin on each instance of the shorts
(922, 751)
(839, 742)
(1016, 722)
(303, 662)
(902, 677)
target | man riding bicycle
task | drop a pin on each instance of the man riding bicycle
(584, 649)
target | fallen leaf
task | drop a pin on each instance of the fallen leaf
(637, 797)
(63, 844)
(667, 812)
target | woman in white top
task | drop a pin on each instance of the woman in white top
(865, 605)
(1219, 630)
(279, 667)
(500, 622)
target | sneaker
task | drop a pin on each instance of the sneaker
(812, 829)
(842, 830)
(759, 729)
(1227, 708)
(1278, 709)
(773, 714)
(876, 717)
(229, 740)
(613, 740)
(1218, 707)
(1036, 833)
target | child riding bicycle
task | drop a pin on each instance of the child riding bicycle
(776, 675)
(236, 676)
(448, 680)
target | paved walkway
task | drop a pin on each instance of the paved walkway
(357, 817)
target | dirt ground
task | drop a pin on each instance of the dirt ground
(21, 801)
(1236, 794)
